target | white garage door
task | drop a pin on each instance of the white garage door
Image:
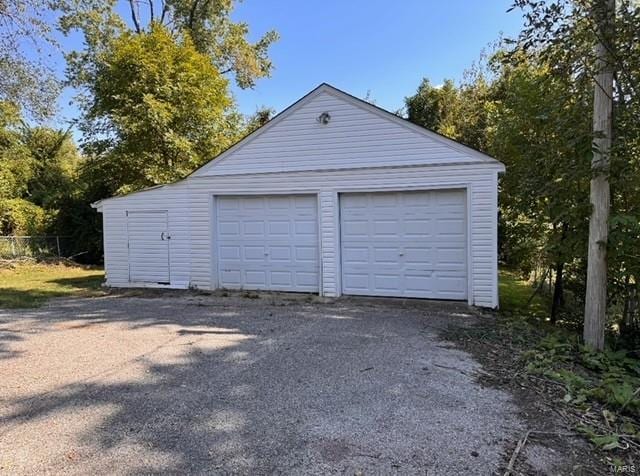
(410, 244)
(148, 241)
(268, 243)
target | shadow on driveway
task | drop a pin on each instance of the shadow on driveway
(194, 384)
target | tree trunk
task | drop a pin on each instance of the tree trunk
(596, 292)
(558, 293)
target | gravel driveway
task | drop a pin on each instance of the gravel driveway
(229, 384)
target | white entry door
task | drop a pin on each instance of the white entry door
(407, 244)
(268, 242)
(148, 235)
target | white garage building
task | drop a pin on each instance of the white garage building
(332, 196)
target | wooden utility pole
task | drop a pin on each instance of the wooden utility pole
(596, 293)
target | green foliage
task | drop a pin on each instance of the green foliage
(562, 34)
(16, 163)
(161, 109)
(213, 33)
(456, 112)
(539, 127)
(536, 122)
(603, 387)
(605, 442)
(518, 297)
(433, 106)
(258, 119)
(21, 217)
(37, 163)
(40, 190)
(56, 161)
(611, 378)
(154, 100)
(531, 108)
(207, 24)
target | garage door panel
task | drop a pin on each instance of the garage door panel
(256, 277)
(230, 252)
(451, 287)
(386, 282)
(385, 228)
(280, 253)
(356, 281)
(306, 228)
(417, 227)
(410, 244)
(418, 256)
(279, 228)
(451, 258)
(252, 203)
(355, 255)
(303, 204)
(355, 229)
(277, 203)
(230, 229)
(278, 243)
(306, 254)
(253, 253)
(229, 204)
(307, 280)
(448, 197)
(450, 227)
(417, 283)
(231, 276)
(386, 254)
(281, 278)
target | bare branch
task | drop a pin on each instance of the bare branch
(134, 16)
(165, 8)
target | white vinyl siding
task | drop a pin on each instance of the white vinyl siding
(172, 199)
(354, 137)
(409, 244)
(361, 150)
(268, 242)
(479, 179)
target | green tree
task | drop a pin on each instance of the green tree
(539, 127)
(433, 106)
(536, 121)
(160, 109)
(16, 163)
(56, 161)
(596, 40)
(456, 112)
(207, 23)
(38, 167)
(258, 119)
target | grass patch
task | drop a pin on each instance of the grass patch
(516, 296)
(32, 284)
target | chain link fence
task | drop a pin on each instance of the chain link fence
(35, 247)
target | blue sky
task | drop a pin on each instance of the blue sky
(381, 47)
(384, 47)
